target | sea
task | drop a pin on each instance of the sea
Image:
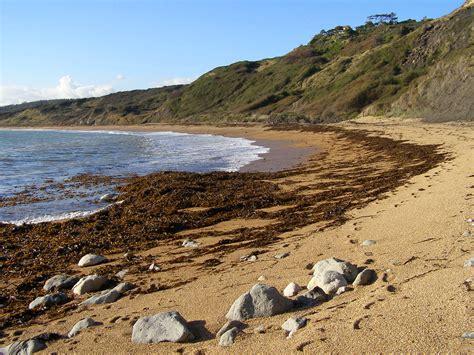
(40, 170)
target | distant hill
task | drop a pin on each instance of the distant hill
(411, 68)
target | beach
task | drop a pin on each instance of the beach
(319, 193)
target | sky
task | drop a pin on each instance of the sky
(80, 48)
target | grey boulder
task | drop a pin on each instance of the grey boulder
(82, 324)
(166, 326)
(311, 298)
(229, 325)
(91, 260)
(346, 269)
(291, 290)
(124, 287)
(228, 338)
(89, 283)
(24, 347)
(48, 301)
(365, 277)
(261, 301)
(329, 281)
(108, 296)
(60, 282)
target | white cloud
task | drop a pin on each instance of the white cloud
(120, 77)
(67, 88)
(174, 81)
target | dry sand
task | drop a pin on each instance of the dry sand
(419, 252)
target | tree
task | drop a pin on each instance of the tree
(380, 19)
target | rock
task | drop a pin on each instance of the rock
(466, 233)
(260, 329)
(154, 268)
(82, 324)
(248, 258)
(121, 274)
(346, 269)
(261, 301)
(227, 339)
(60, 282)
(311, 298)
(261, 278)
(343, 289)
(292, 324)
(291, 290)
(281, 256)
(469, 262)
(89, 283)
(189, 243)
(24, 347)
(48, 301)
(167, 326)
(468, 335)
(124, 287)
(368, 243)
(108, 198)
(229, 325)
(329, 281)
(108, 296)
(364, 277)
(91, 259)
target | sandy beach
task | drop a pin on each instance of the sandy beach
(339, 191)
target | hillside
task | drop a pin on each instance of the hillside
(409, 68)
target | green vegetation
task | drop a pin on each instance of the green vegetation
(383, 67)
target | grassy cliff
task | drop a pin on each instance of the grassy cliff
(410, 68)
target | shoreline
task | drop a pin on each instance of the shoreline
(403, 219)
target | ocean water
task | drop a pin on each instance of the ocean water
(39, 165)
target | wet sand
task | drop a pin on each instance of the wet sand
(411, 203)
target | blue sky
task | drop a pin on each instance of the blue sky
(72, 48)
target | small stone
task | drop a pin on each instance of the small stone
(248, 258)
(189, 243)
(368, 243)
(229, 325)
(82, 324)
(291, 290)
(281, 256)
(124, 287)
(260, 329)
(60, 282)
(364, 277)
(24, 347)
(227, 339)
(154, 268)
(343, 289)
(466, 233)
(166, 326)
(468, 335)
(48, 301)
(121, 274)
(108, 296)
(108, 198)
(312, 298)
(469, 262)
(90, 283)
(91, 260)
(294, 323)
(261, 278)
(330, 281)
(261, 301)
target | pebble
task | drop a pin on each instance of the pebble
(250, 258)
(91, 260)
(364, 277)
(329, 281)
(121, 274)
(108, 198)
(292, 324)
(154, 268)
(469, 262)
(228, 338)
(60, 282)
(261, 278)
(108, 296)
(468, 335)
(189, 243)
(166, 326)
(48, 300)
(281, 256)
(82, 324)
(260, 329)
(311, 298)
(343, 289)
(89, 283)
(260, 301)
(466, 233)
(368, 243)
(229, 325)
(291, 290)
